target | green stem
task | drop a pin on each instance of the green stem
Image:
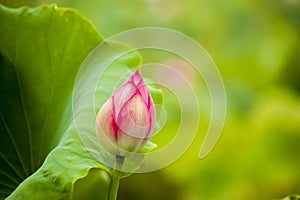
(115, 179)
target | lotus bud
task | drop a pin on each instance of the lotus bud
(126, 120)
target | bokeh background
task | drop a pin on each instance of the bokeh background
(256, 46)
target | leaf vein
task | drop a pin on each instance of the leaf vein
(9, 186)
(12, 167)
(22, 98)
(13, 179)
(13, 143)
(50, 98)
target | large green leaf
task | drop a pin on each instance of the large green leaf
(41, 50)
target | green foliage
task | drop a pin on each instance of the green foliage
(41, 50)
(255, 45)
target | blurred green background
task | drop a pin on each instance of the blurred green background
(256, 46)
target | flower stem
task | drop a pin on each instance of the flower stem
(115, 179)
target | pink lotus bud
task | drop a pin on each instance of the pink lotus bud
(126, 120)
